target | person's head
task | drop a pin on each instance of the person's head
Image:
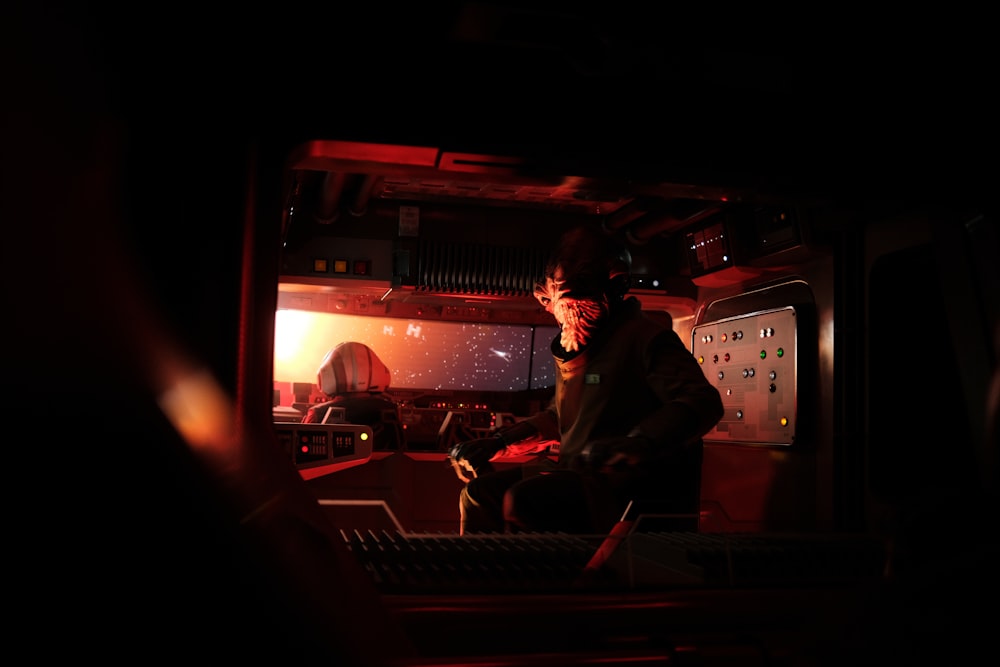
(587, 273)
(352, 367)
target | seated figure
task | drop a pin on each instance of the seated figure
(355, 379)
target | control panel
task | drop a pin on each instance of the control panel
(430, 428)
(753, 361)
(319, 449)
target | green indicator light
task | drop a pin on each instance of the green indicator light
(781, 351)
(763, 354)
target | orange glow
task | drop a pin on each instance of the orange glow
(300, 341)
(202, 413)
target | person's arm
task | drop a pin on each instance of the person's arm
(691, 406)
(525, 437)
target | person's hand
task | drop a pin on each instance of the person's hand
(609, 454)
(471, 457)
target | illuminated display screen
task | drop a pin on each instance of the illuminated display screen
(708, 249)
(420, 354)
(542, 365)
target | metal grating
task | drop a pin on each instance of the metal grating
(556, 562)
(483, 563)
(461, 268)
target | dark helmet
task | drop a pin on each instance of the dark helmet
(591, 263)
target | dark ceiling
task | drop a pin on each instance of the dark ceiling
(642, 95)
(605, 102)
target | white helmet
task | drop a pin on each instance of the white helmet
(350, 368)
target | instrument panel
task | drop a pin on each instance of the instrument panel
(752, 360)
(319, 449)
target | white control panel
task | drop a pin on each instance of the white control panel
(752, 360)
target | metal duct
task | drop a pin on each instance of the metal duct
(458, 268)
(328, 208)
(682, 213)
(360, 206)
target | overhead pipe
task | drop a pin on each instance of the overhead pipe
(645, 228)
(331, 193)
(360, 206)
(625, 216)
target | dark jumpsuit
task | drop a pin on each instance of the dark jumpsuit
(635, 378)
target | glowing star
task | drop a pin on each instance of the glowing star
(500, 353)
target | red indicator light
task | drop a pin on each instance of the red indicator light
(361, 267)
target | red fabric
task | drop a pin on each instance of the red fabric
(522, 447)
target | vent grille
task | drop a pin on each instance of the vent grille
(457, 268)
